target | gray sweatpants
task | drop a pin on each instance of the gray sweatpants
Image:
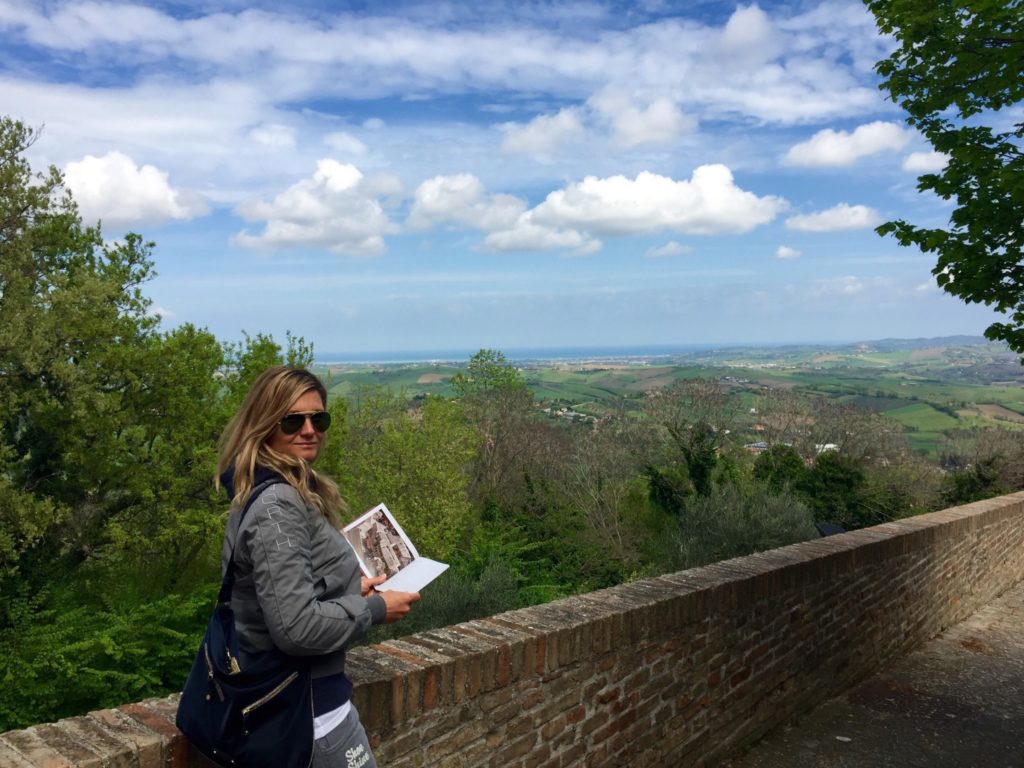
(344, 747)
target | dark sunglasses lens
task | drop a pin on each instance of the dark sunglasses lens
(292, 423)
(321, 421)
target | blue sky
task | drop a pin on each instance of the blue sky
(402, 176)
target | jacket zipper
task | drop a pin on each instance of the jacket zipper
(267, 697)
(209, 672)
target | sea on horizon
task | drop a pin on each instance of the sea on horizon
(614, 352)
(514, 354)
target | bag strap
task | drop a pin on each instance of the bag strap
(228, 582)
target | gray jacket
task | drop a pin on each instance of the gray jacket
(296, 582)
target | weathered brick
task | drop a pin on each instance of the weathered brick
(516, 749)
(537, 757)
(610, 695)
(9, 758)
(520, 726)
(533, 698)
(148, 745)
(558, 706)
(552, 728)
(79, 753)
(457, 739)
(402, 743)
(572, 755)
(114, 750)
(35, 750)
(594, 722)
(504, 713)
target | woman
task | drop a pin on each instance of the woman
(298, 585)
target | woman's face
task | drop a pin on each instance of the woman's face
(304, 444)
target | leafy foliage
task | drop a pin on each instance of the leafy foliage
(834, 488)
(958, 70)
(780, 467)
(732, 521)
(981, 464)
(697, 415)
(65, 662)
(414, 459)
(108, 428)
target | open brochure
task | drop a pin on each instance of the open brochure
(383, 549)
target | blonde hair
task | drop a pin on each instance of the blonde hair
(243, 446)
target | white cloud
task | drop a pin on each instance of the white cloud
(274, 136)
(706, 204)
(925, 162)
(750, 36)
(333, 209)
(574, 217)
(839, 217)
(204, 94)
(671, 248)
(382, 185)
(542, 134)
(79, 26)
(659, 123)
(186, 90)
(785, 252)
(199, 133)
(781, 67)
(117, 191)
(841, 148)
(345, 143)
(461, 198)
(527, 236)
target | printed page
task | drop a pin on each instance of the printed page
(383, 548)
(415, 576)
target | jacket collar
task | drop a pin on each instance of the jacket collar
(261, 475)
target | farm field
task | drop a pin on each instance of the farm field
(930, 387)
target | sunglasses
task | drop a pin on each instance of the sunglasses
(293, 422)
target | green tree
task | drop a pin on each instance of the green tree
(901, 488)
(833, 490)
(109, 526)
(79, 355)
(697, 414)
(487, 372)
(975, 482)
(668, 486)
(247, 359)
(981, 463)
(618, 530)
(780, 467)
(500, 406)
(414, 460)
(731, 521)
(958, 71)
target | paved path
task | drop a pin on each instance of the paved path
(957, 702)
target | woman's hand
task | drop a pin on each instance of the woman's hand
(398, 604)
(366, 585)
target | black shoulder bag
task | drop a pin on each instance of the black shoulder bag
(257, 717)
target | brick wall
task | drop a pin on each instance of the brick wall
(683, 669)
